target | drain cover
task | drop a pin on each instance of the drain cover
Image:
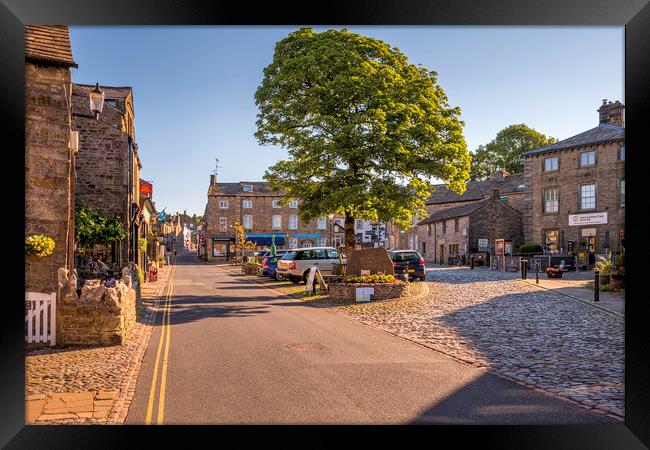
(300, 347)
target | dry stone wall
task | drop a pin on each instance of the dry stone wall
(101, 315)
(346, 292)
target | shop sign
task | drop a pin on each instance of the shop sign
(588, 219)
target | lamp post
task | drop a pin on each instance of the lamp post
(96, 98)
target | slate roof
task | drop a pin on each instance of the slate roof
(110, 92)
(259, 187)
(476, 190)
(604, 132)
(49, 44)
(454, 211)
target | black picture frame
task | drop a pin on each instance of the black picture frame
(633, 14)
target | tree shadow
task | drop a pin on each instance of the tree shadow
(490, 400)
(466, 275)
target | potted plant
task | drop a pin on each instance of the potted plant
(554, 272)
(617, 276)
(161, 261)
(604, 267)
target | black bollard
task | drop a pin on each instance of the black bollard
(536, 272)
(471, 262)
(524, 269)
(596, 286)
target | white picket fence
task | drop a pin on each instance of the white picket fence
(40, 317)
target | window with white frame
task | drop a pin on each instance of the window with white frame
(337, 242)
(248, 222)
(293, 242)
(223, 204)
(275, 204)
(321, 223)
(588, 196)
(293, 204)
(621, 153)
(588, 158)
(277, 222)
(551, 164)
(247, 188)
(223, 223)
(358, 224)
(248, 204)
(551, 203)
(293, 222)
(622, 192)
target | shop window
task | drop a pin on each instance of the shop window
(551, 240)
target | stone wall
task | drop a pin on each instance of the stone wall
(346, 292)
(99, 316)
(102, 163)
(494, 221)
(49, 166)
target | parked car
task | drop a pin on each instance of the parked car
(295, 264)
(409, 262)
(269, 265)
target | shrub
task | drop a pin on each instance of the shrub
(140, 274)
(530, 249)
(604, 266)
(39, 245)
(142, 244)
(371, 279)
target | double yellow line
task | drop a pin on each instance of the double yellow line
(165, 338)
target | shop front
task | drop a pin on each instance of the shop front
(264, 240)
(222, 247)
(307, 239)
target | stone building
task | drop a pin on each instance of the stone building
(511, 188)
(575, 200)
(257, 208)
(49, 152)
(107, 164)
(469, 227)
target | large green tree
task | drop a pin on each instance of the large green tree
(504, 151)
(365, 130)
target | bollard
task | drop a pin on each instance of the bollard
(524, 269)
(471, 262)
(596, 286)
(537, 272)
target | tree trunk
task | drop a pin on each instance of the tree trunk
(350, 238)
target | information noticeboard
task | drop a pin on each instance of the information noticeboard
(363, 294)
(482, 245)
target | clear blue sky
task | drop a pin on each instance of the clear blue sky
(193, 88)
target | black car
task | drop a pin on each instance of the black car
(409, 262)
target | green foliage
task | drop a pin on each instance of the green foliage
(371, 279)
(604, 266)
(161, 259)
(39, 245)
(142, 244)
(620, 260)
(196, 220)
(365, 130)
(140, 273)
(93, 227)
(530, 249)
(504, 151)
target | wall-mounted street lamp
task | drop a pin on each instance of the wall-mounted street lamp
(96, 101)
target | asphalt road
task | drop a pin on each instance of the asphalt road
(239, 353)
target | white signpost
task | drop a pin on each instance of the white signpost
(363, 294)
(587, 219)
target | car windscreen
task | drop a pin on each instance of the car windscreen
(405, 256)
(289, 256)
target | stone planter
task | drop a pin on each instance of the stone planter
(346, 292)
(604, 280)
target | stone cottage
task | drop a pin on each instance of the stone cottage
(575, 197)
(49, 152)
(108, 165)
(469, 227)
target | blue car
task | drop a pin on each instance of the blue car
(269, 264)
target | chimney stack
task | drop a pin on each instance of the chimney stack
(612, 113)
(213, 180)
(498, 175)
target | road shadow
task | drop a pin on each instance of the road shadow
(467, 275)
(491, 400)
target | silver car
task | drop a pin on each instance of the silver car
(295, 264)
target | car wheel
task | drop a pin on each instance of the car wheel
(295, 280)
(278, 277)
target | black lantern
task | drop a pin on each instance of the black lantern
(96, 101)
